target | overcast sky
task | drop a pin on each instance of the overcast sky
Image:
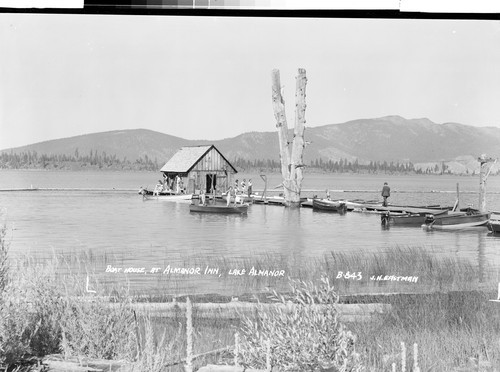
(210, 78)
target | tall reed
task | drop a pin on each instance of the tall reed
(451, 329)
(4, 269)
(189, 333)
(303, 338)
(433, 273)
(158, 347)
(30, 309)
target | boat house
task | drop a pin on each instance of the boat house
(200, 168)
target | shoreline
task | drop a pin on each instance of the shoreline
(313, 171)
(113, 189)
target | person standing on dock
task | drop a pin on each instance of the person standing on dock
(230, 193)
(386, 192)
(166, 186)
(177, 184)
(249, 189)
(158, 188)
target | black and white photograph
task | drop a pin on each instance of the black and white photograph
(232, 192)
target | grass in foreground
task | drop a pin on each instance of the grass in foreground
(452, 330)
(41, 316)
(445, 274)
(434, 274)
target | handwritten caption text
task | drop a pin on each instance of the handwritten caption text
(359, 276)
(207, 270)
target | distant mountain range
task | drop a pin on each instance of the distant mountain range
(390, 138)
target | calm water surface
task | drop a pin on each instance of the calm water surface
(118, 228)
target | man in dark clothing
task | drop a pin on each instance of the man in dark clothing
(386, 192)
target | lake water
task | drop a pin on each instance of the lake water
(95, 230)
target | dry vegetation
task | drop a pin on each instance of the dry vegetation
(307, 338)
(42, 313)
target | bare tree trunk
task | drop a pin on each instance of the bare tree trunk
(484, 172)
(291, 161)
(297, 166)
(281, 124)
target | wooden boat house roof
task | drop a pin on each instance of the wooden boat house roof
(189, 157)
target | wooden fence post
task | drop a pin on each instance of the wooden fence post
(236, 349)
(416, 368)
(403, 357)
(268, 355)
(189, 332)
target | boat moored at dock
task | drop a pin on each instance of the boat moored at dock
(412, 219)
(457, 220)
(338, 206)
(494, 226)
(272, 200)
(165, 195)
(219, 208)
(494, 223)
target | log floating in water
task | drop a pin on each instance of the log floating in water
(214, 368)
(57, 363)
(70, 189)
(236, 310)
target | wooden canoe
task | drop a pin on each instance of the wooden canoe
(329, 205)
(219, 208)
(272, 200)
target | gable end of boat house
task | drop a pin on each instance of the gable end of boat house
(201, 168)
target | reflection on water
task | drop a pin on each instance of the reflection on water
(122, 230)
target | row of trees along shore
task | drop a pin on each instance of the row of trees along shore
(101, 160)
(92, 160)
(346, 166)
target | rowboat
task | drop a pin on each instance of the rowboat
(219, 208)
(350, 204)
(413, 219)
(494, 225)
(164, 195)
(272, 200)
(307, 204)
(457, 220)
(338, 206)
(360, 204)
(409, 209)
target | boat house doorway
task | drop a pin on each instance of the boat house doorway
(211, 183)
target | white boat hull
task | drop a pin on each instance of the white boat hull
(460, 226)
(173, 198)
